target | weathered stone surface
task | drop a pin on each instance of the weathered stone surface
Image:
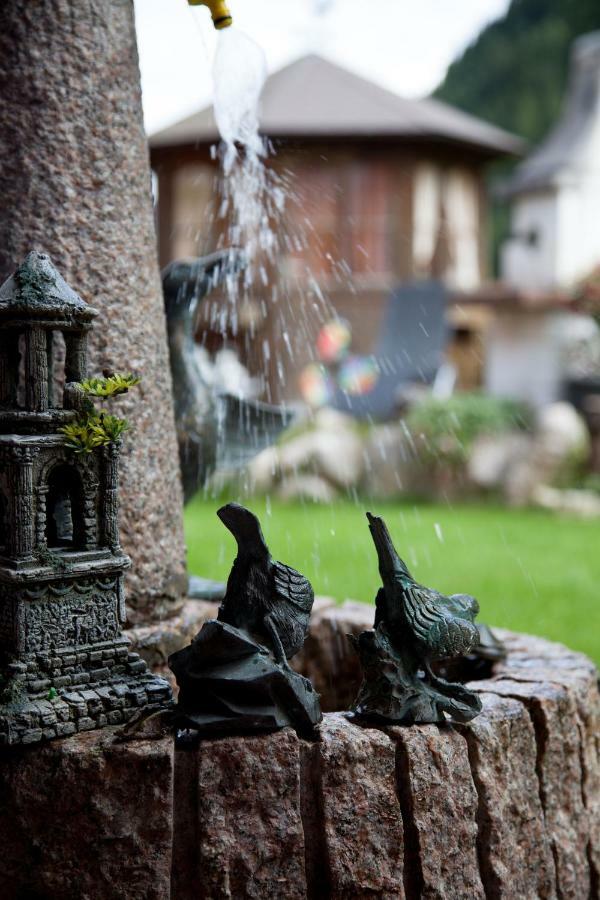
(75, 182)
(510, 799)
(554, 715)
(250, 841)
(514, 849)
(439, 804)
(362, 821)
(533, 659)
(328, 658)
(86, 819)
(157, 641)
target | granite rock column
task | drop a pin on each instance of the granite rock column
(75, 182)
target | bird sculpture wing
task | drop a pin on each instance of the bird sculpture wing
(294, 600)
(441, 631)
(293, 588)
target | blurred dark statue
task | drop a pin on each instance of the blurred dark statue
(212, 429)
(415, 626)
(235, 677)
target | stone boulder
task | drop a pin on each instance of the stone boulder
(315, 464)
(559, 450)
(493, 456)
(507, 805)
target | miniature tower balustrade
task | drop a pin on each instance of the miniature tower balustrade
(64, 663)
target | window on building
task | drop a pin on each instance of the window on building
(340, 219)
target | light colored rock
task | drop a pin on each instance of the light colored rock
(86, 818)
(328, 419)
(336, 456)
(560, 446)
(585, 504)
(263, 471)
(390, 463)
(306, 487)
(562, 433)
(493, 455)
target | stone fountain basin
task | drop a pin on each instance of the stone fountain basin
(505, 806)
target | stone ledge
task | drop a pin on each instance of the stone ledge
(505, 806)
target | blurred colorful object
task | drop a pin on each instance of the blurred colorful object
(333, 341)
(358, 375)
(316, 385)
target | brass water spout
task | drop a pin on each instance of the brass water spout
(219, 11)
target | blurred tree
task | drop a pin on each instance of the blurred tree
(514, 74)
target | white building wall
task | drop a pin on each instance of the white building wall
(529, 258)
(524, 356)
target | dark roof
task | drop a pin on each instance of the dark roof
(581, 108)
(36, 287)
(313, 97)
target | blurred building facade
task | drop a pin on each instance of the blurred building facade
(393, 189)
(554, 243)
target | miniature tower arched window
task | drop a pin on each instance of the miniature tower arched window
(43, 339)
(65, 509)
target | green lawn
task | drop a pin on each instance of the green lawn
(530, 570)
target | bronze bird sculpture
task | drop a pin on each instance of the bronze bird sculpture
(414, 626)
(234, 677)
(437, 627)
(264, 597)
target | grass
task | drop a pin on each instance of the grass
(530, 570)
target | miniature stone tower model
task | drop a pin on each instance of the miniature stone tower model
(64, 663)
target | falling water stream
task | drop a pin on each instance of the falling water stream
(253, 214)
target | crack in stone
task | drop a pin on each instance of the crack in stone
(540, 729)
(413, 871)
(316, 855)
(492, 885)
(185, 866)
(594, 874)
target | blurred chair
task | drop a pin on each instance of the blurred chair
(409, 352)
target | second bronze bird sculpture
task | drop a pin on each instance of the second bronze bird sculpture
(414, 626)
(234, 676)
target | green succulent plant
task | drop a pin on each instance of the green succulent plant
(110, 385)
(97, 428)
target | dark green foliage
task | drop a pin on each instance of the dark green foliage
(444, 430)
(515, 76)
(515, 72)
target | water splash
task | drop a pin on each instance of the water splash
(239, 74)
